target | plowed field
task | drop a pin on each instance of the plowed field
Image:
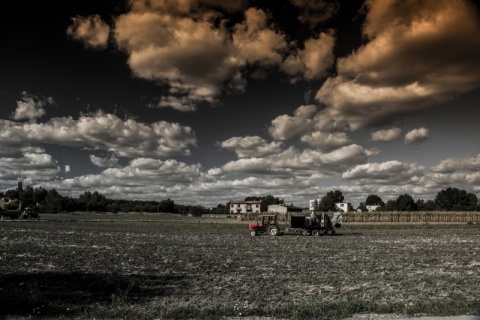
(143, 267)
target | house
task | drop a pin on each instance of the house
(372, 208)
(4, 201)
(340, 206)
(344, 206)
(241, 206)
(283, 209)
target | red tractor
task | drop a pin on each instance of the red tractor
(265, 224)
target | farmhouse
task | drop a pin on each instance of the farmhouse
(283, 209)
(344, 206)
(241, 206)
(372, 208)
(340, 206)
(6, 201)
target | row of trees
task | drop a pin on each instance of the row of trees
(53, 202)
(449, 199)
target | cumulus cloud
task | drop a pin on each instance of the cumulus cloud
(67, 168)
(102, 131)
(326, 140)
(386, 135)
(31, 107)
(390, 172)
(28, 165)
(166, 40)
(313, 61)
(417, 136)
(399, 71)
(287, 127)
(471, 164)
(104, 162)
(292, 162)
(92, 31)
(251, 146)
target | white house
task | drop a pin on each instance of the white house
(344, 206)
(372, 208)
(341, 206)
(240, 206)
(283, 209)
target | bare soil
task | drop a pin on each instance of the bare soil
(201, 269)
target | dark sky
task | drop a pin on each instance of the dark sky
(219, 100)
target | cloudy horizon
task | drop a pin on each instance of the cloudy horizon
(206, 101)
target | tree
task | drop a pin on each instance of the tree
(423, 205)
(453, 199)
(166, 206)
(405, 202)
(374, 200)
(327, 203)
(391, 205)
(362, 207)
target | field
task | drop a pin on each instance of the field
(175, 267)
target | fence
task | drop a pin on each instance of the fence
(393, 217)
(418, 217)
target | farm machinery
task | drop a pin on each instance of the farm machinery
(313, 224)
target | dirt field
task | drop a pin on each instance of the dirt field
(150, 267)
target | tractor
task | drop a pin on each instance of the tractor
(265, 224)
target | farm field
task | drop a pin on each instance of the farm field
(176, 267)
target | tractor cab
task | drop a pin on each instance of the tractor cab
(266, 223)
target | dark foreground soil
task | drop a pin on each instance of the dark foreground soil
(198, 269)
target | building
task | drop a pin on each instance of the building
(241, 206)
(372, 208)
(344, 206)
(4, 201)
(340, 206)
(283, 209)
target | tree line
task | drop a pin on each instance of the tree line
(51, 201)
(449, 199)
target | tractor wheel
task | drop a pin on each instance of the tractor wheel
(253, 233)
(305, 233)
(273, 230)
(315, 233)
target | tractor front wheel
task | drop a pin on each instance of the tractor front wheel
(273, 230)
(315, 233)
(253, 233)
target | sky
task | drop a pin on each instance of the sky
(206, 101)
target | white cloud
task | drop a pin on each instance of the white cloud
(387, 173)
(313, 61)
(92, 31)
(450, 165)
(102, 132)
(105, 162)
(386, 135)
(67, 168)
(326, 140)
(28, 166)
(30, 107)
(417, 136)
(286, 127)
(251, 146)
(291, 162)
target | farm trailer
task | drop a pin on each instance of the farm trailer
(314, 224)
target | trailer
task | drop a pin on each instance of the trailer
(10, 214)
(313, 224)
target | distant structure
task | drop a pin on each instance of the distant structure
(6, 200)
(344, 206)
(372, 208)
(241, 206)
(340, 206)
(283, 209)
